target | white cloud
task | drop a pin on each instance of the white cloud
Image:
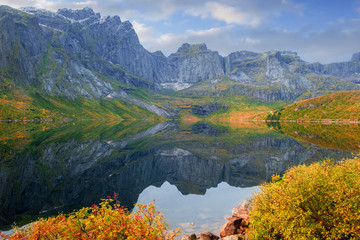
(208, 32)
(251, 41)
(145, 33)
(248, 12)
(228, 14)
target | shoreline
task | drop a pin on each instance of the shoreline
(322, 121)
(235, 228)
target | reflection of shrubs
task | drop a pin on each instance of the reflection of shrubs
(320, 201)
(275, 116)
(107, 221)
(274, 125)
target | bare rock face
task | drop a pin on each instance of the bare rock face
(208, 236)
(193, 64)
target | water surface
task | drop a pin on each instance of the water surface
(196, 172)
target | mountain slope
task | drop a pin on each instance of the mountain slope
(50, 59)
(21, 105)
(336, 106)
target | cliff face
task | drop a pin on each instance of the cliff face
(288, 74)
(192, 64)
(78, 53)
(20, 54)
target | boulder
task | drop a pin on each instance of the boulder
(231, 227)
(189, 237)
(242, 209)
(208, 236)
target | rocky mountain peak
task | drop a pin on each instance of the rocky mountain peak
(356, 57)
(114, 20)
(78, 14)
(159, 54)
(190, 49)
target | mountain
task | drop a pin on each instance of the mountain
(80, 54)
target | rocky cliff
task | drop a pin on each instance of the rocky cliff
(79, 53)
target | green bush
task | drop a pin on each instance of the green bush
(320, 201)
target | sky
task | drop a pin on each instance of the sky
(322, 31)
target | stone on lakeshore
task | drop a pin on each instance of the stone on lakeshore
(231, 227)
(208, 236)
(242, 209)
(189, 237)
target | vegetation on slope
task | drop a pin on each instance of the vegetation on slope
(320, 201)
(20, 104)
(345, 137)
(230, 104)
(336, 106)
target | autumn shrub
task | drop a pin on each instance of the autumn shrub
(108, 220)
(319, 201)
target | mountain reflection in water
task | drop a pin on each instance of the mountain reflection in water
(57, 167)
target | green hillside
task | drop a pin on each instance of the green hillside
(337, 106)
(19, 104)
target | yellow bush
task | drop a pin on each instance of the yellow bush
(320, 201)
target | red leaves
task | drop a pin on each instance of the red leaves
(109, 220)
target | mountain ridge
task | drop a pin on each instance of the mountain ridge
(80, 54)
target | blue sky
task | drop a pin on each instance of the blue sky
(319, 30)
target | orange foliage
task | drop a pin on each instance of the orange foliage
(249, 114)
(109, 220)
(242, 124)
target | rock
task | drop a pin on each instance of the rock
(242, 209)
(78, 14)
(208, 236)
(189, 237)
(231, 227)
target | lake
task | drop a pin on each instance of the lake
(195, 171)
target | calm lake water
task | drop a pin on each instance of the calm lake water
(196, 171)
